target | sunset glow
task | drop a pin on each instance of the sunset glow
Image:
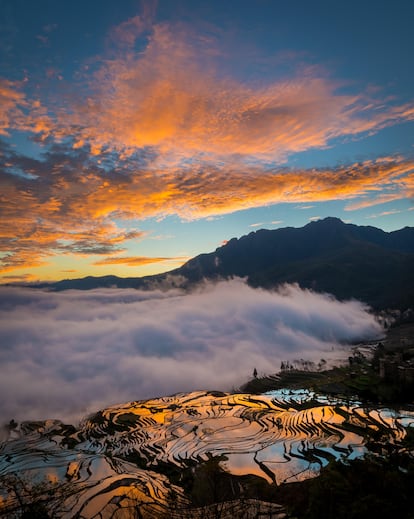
(135, 138)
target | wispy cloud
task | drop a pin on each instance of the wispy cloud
(167, 131)
(173, 97)
(11, 102)
(65, 354)
(135, 260)
(384, 213)
(258, 224)
(22, 278)
(74, 210)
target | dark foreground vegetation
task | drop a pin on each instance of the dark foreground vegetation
(376, 486)
(371, 487)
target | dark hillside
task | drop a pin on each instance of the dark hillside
(346, 260)
(329, 256)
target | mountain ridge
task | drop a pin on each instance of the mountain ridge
(328, 255)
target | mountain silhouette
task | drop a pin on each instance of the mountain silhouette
(346, 260)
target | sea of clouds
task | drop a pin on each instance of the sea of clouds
(66, 354)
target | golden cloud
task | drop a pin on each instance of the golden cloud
(166, 132)
(11, 102)
(173, 98)
(23, 278)
(37, 220)
(74, 210)
(134, 261)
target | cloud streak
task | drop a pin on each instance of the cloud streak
(65, 354)
(74, 209)
(135, 260)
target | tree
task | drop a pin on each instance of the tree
(23, 499)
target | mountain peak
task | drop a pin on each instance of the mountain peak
(329, 220)
(327, 255)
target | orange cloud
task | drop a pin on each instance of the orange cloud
(225, 190)
(396, 189)
(74, 210)
(166, 132)
(173, 98)
(19, 112)
(21, 259)
(11, 102)
(134, 261)
(385, 213)
(38, 218)
(23, 278)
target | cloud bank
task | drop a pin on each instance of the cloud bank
(65, 354)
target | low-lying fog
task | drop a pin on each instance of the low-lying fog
(65, 354)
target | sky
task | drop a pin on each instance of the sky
(64, 355)
(135, 135)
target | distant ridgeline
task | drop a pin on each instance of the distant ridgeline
(345, 260)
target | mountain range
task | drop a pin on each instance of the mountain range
(345, 260)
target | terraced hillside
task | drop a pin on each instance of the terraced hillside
(122, 458)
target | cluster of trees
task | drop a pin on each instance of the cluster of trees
(302, 365)
(361, 488)
(24, 500)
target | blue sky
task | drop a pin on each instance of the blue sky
(136, 135)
